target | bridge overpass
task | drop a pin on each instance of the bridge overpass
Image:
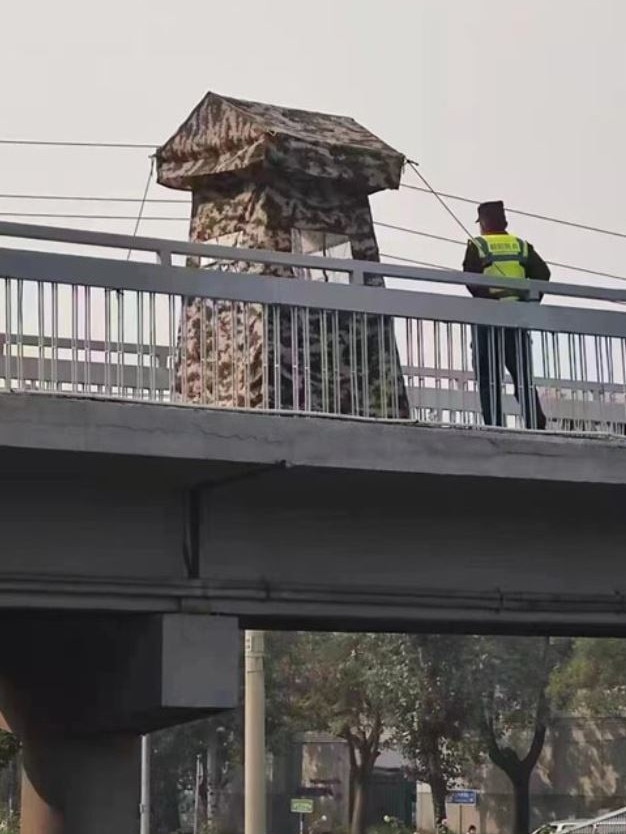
(141, 530)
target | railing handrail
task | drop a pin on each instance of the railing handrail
(239, 287)
(164, 248)
(597, 821)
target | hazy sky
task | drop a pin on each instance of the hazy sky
(519, 99)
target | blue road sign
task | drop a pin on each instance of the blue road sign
(463, 797)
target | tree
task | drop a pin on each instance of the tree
(340, 683)
(593, 680)
(175, 753)
(9, 747)
(433, 717)
(516, 707)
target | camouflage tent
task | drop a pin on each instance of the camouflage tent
(266, 177)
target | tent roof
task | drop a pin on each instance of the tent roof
(229, 135)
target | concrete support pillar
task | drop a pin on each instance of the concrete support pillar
(79, 690)
(254, 760)
(87, 785)
(40, 812)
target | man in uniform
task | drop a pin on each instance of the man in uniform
(502, 255)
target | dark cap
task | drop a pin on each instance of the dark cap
(492, 213)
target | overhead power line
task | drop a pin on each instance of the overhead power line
(534, 215)
(418, 232)
(82, 198)
(457, 242)
(424, 189)
(64, 216)
(418, 263)
(61, 144)
(142, 205)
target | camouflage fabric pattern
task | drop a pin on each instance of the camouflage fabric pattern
(244, 355)
(225, 135)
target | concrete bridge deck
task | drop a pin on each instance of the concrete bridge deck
(302, 521)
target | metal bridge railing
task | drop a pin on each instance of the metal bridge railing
(611, 823)
(215, 336)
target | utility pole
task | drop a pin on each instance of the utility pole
(254, 757)
(144, 827)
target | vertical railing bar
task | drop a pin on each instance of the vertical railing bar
(437, 364)
(152, 343)
(184, 326)
(324, 345)
(74, 339)
(54, 336)
(121, 346)
(163, 258)
(234, 367)
(247, 366)
(525, 375)
(420, 362)
(306, 342)
(20, 333)
(545, 357)
(41, 329)
(573, 373)
(107, 341)
(204, 381)
(410, 360)
(393, 363)
(216, 317)
(464, 370)
(622, 343)
(382, 366)
(450, 368)
(8, 304)
(365, 365)
(494, 374)
(265, 370)
(277, 357)
(598, 378)
(336, 362)
(172, 346)
(139, 393)
(294, 317)
(610, 370)
(87, 350)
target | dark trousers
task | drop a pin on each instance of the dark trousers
(497, 348)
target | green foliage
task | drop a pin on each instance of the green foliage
(341, 684)
(434, 714)
(516, 707)
(513, 683)
(9, 747)
(335, 683)
(175, 751)
(282, 717)
(593, 680)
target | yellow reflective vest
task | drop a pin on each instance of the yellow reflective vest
(503, 256)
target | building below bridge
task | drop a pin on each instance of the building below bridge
(579, 775)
